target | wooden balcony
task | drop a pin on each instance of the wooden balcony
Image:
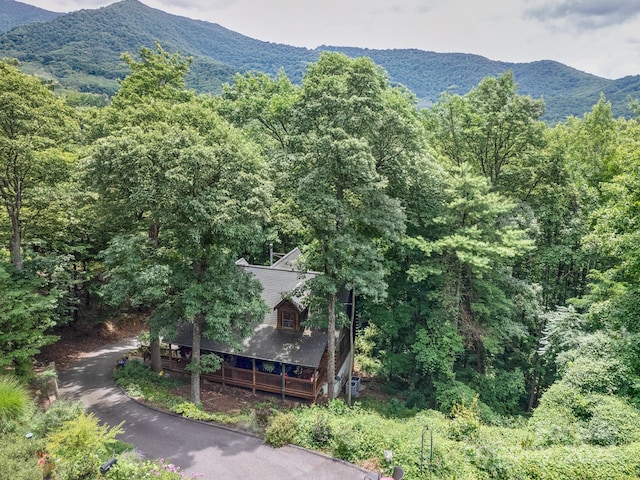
(306, 388)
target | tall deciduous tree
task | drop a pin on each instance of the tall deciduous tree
(130, 173)
(265, 107)
(33, 124)
(615, 227)
(205, 184)
(219, 204)
(492, 128)
(342, 197)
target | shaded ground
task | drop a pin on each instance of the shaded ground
(75, 342)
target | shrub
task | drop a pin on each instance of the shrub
(465, 421)
(132, 372)
(132, 468)
(80, 446)
(613, 422)
(60, 412)
(566, 416)
(138, 380)
(449, 394)
(338, 407)
(584, 463)
(195, 412)
(18, 457)
(597, 375)
(281, 430)
(346, 444)
(14, 403)
(321, 432)
(191, 410)
(554, 425)
(490, 459)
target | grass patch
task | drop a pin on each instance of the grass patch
(157, 389)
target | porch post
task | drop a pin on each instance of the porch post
(283, 379)
(253, 383)
(316, 376)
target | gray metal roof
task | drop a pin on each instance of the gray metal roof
(268, 343)
(278, 281)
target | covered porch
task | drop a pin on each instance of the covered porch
(289, 363)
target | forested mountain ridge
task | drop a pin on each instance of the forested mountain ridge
(82, 51)
(14, 13)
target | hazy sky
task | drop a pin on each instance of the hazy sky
(595, 36)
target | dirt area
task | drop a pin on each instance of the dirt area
(79, 340)
(233, 400)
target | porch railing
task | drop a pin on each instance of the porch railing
(260, 381)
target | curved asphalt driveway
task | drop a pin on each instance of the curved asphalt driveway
(211, 451)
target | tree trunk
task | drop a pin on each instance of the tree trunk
(156, 358)
(331, 346)
(154, 351)
(351, 345)
(195, 359)
(16, 243)
(533, 391)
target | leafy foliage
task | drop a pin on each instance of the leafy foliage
(56, 415)
(25, 317)
(14, 402)
(494, 257)
(80, 446)
(281, 430)
(35, 125)
(19, 457)
(131, 468)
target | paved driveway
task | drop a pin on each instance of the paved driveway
(213, 452)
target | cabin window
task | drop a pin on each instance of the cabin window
(288, 319)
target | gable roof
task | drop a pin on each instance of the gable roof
(268, 342)
(279, 281)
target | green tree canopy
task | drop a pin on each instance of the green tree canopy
(34, 127)
(341, 196)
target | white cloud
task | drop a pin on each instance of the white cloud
(585, 13)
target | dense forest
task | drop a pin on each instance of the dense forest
(81, 51)
(494, 256)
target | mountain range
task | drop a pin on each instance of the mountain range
(81, 50)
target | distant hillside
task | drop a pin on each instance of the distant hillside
(82, 50)
(566, 91)
(14, 13)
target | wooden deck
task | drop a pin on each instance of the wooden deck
(308, 389)
(257, 380)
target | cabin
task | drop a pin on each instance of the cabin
(284, 355)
